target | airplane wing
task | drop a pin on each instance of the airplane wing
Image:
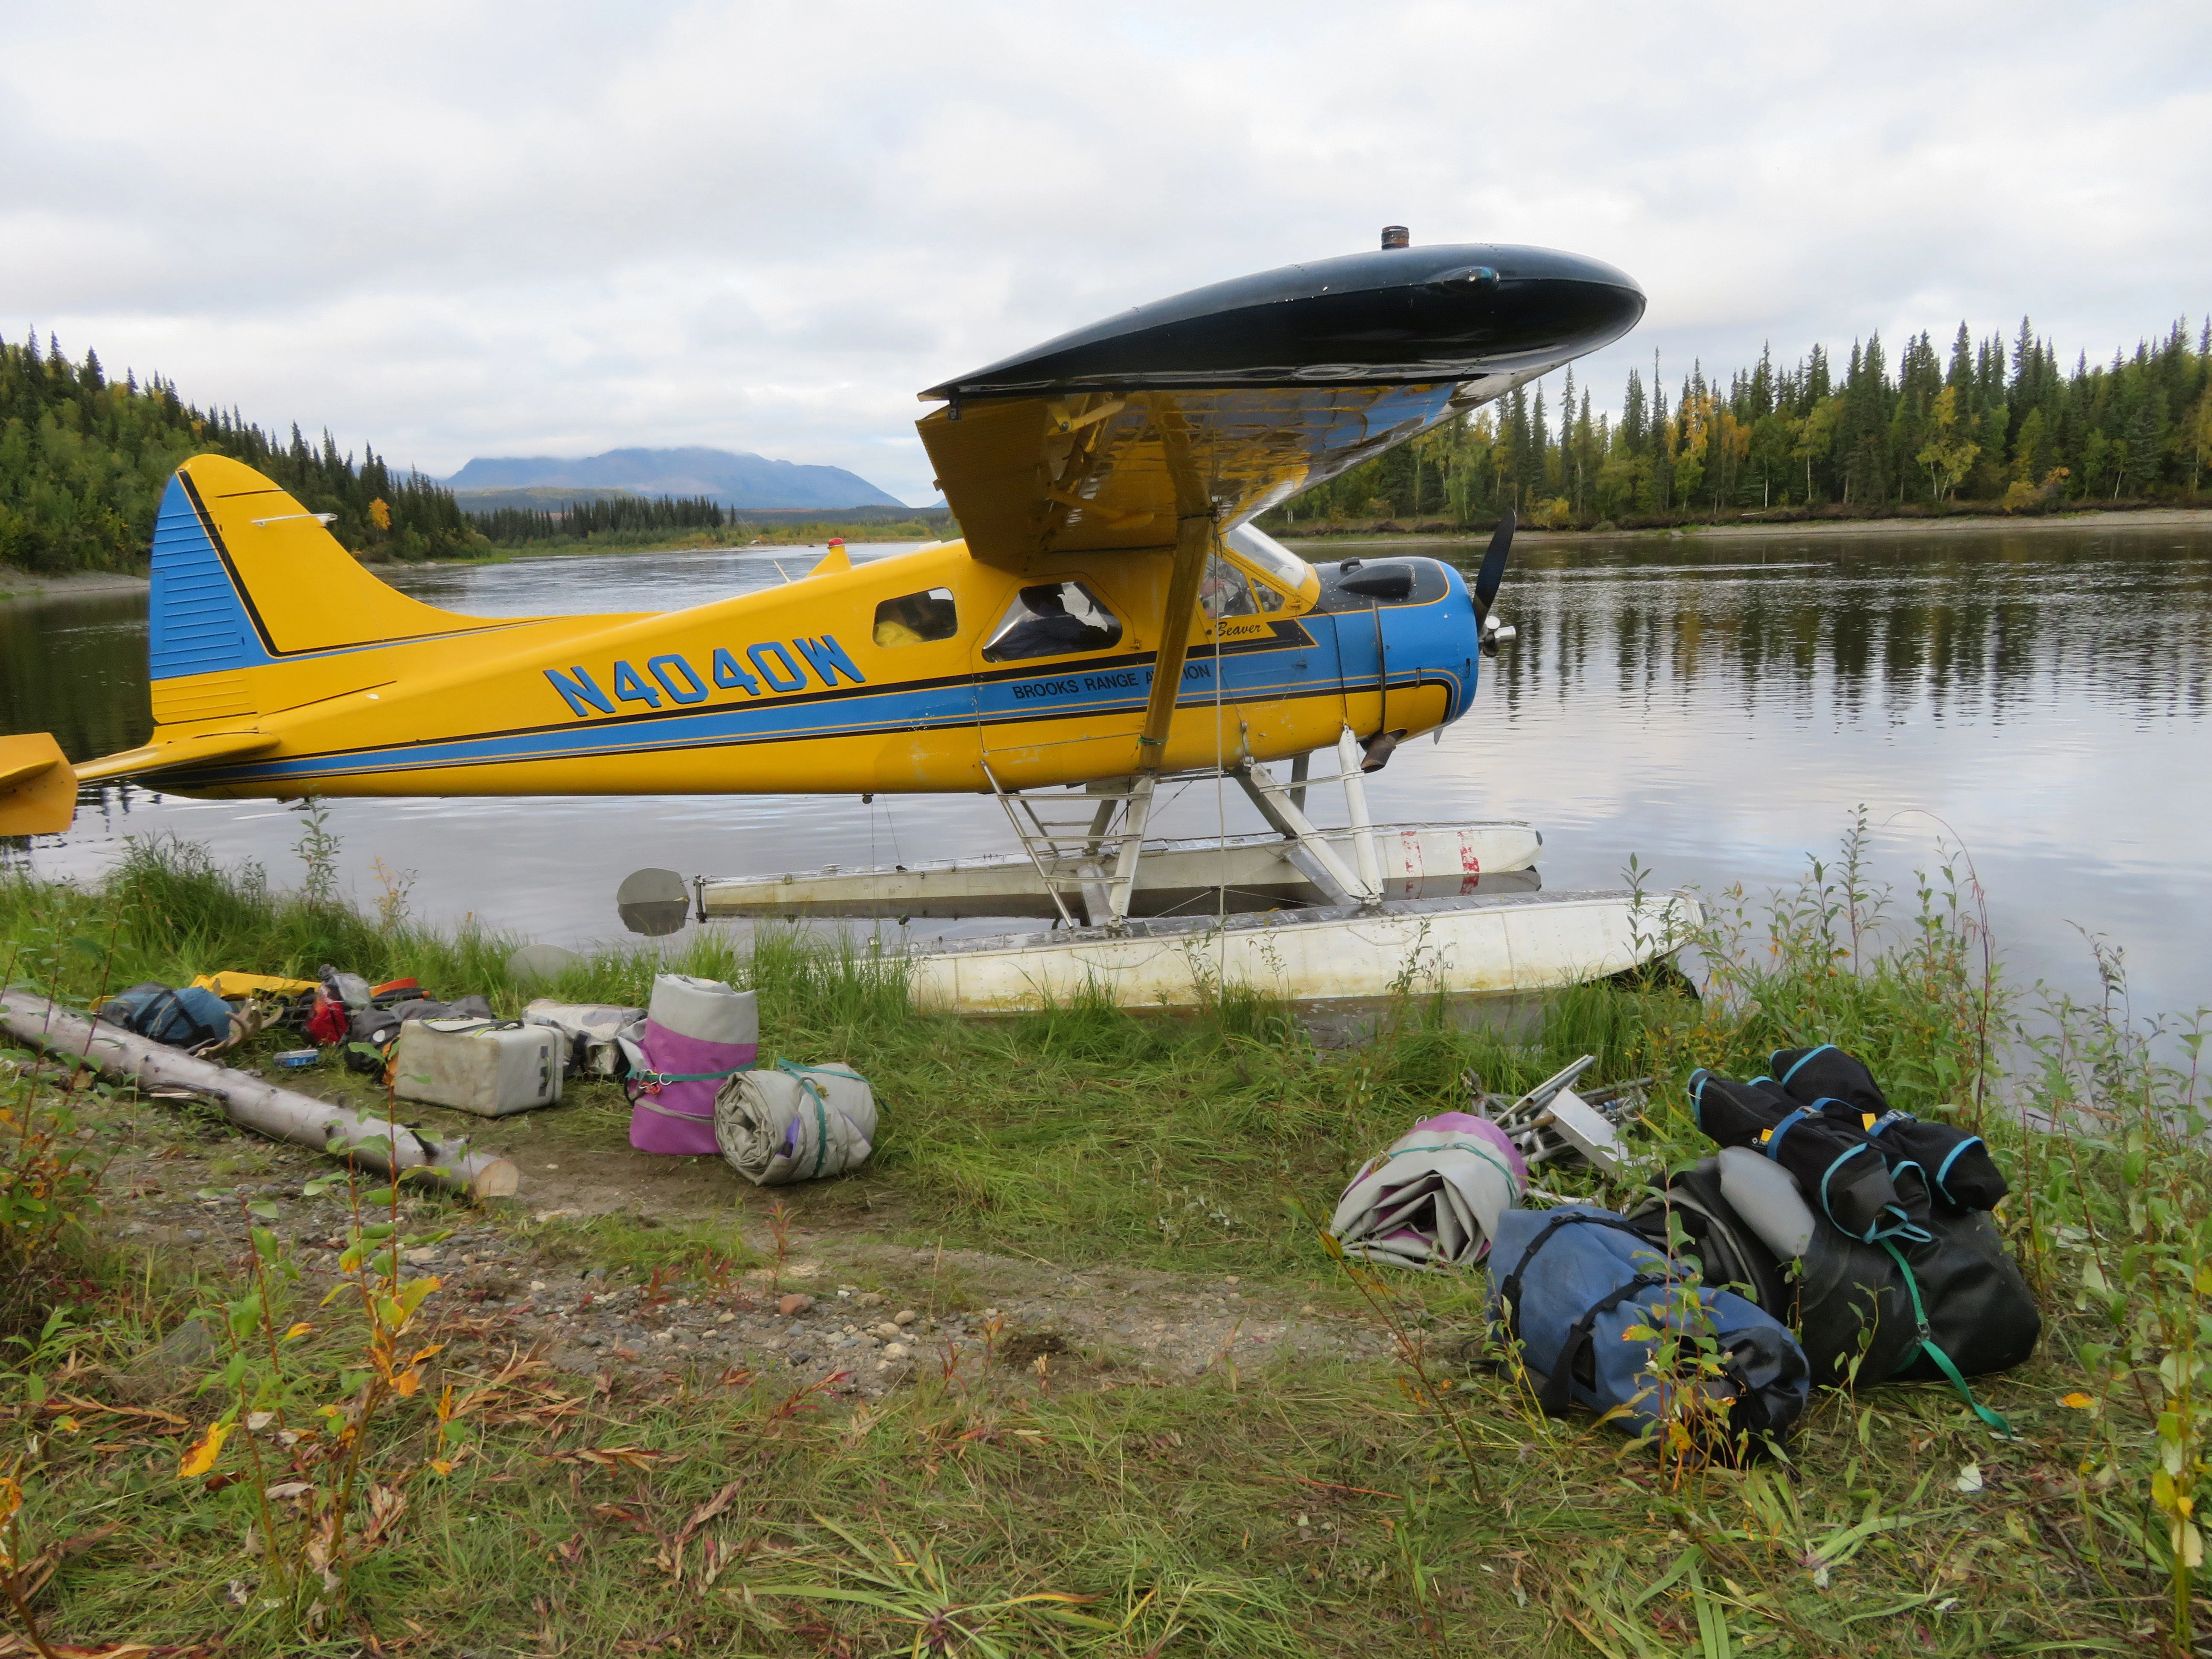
(1230, 399)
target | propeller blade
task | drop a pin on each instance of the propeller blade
(1492, 573)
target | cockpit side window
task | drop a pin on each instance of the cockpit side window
(1284, 568)
(1226, 590)
(917, 619)
(1052, 619)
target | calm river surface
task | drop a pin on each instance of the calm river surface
(1716, 707)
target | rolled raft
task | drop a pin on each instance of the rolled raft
(1434, 1198)
(697, 1034)
(795, 1122)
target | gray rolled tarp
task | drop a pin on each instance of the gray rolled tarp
(789, 1122)
(1433, 1199)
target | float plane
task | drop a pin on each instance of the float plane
(1110, 616)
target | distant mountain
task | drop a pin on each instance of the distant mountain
(734, 480)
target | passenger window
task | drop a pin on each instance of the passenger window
(916, 618)
(1051, 619)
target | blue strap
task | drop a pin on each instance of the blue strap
(1943, 1170)
(1774, 1135)
(1826, 1048)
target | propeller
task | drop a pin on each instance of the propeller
(1487, 581)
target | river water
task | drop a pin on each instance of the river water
(1716, 707)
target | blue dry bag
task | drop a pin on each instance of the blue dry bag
(1569, 1282)
(182, 1019)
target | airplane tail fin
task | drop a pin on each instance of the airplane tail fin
(256, 607)
(38, 786)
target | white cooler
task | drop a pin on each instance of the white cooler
(490, 1067)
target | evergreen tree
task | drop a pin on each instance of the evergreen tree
(84, 460)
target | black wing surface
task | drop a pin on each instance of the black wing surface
(1230, 399)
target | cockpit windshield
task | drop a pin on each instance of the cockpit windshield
(1270, 558)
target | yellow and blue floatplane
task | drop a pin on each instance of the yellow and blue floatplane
(1110, 618)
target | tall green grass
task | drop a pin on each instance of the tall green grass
(1085, 1134)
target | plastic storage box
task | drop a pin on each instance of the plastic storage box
(490, 1068)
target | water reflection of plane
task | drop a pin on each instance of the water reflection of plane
(1111, 617)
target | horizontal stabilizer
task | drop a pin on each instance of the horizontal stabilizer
(175, 754)
(37, 787)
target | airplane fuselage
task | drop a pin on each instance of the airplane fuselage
(803, 689)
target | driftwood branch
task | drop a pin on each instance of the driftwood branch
(252, 1104)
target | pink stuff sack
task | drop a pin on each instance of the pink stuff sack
(696, 1034)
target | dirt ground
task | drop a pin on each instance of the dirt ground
(564, 1270)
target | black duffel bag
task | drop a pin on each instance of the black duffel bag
(1947, 1306)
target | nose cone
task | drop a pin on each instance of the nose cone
(1396, 316)
(1430, 635)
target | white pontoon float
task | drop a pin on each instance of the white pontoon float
(1307, 914)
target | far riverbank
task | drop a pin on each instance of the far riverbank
(16, 584)
(2195, 518)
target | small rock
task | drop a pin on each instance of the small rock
(194, 1235)
(1307, 1311)
(536, 1286)
(886, 1330)
(794, 1304)
(869, 1300)
(904, 1316)
(990, 1313)
(895, 1351)
(725, 1318)
(1231, 1279)
(424, 1253)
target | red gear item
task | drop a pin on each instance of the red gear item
(328, 1023)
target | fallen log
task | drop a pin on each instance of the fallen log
(248, 1101)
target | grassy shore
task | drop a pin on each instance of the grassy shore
(1382, 1502)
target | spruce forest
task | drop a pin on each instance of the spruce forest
(1995, 429)
(84, 460)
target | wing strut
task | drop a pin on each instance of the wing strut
(1194, 541)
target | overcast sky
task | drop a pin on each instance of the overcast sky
(459, 229)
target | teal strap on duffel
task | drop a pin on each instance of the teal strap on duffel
(1994, 1419)
(793, 1069)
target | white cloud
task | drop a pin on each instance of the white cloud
(464, 229)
